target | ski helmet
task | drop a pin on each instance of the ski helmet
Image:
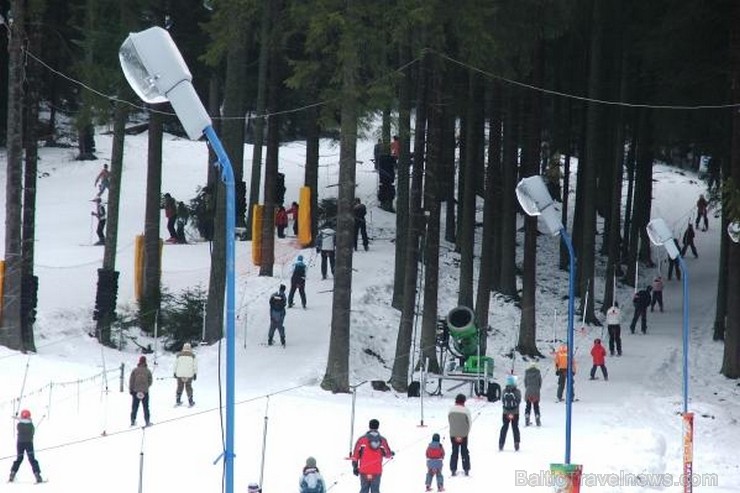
(25, 414)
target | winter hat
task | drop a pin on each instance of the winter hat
(374, 424)
(187, 347)
(310, 462)
(533, 365)
(254, 488)
(282, 287)
(435, 437)
(597, 341)
(300, 258)
(460, 399)
(25, 414)
(511, 381)
(142, 360)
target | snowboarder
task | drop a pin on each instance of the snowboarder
(561, 370)
(688, 241)
(435, 462)
(99, 212)
(281, 221)
(598, 355)
(311, 480)
(138, 386)
(701, 212)
(460, 422)
(170, 212)
(182, 219)
(102, 181)
(367, 458)
(186, 371)
(532, 385)
(613, 320)
(360, 211)
(326, 245)
(298, 281)
(511, 397)
(641, 302)
(277, 315)
(657, 294)
(24, 445)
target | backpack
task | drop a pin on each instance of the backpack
(299, 270)
(311, 482)
(509, 400)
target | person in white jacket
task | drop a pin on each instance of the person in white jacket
(613, 319)
(186, 370)
(326, 245)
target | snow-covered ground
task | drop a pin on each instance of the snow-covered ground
(624, 427)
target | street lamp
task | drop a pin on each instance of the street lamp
(536, 201)
(156, 71)
(660, 235)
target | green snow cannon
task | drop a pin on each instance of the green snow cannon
(465, 344)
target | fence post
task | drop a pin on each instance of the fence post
(120, 379)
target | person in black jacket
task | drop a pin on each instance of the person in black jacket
(641, 302)
(24, 445)
(360, 211)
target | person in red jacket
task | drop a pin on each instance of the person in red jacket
(281, 221)
(367, 458)
(598, 353)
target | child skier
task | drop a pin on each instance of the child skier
(435, 463)
(25, 445)
(511, 397)
(311, 480)
(598, 353)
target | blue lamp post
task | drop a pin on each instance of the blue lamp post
(156, 71)
(536, 201)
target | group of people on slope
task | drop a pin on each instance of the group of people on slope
(281, 219)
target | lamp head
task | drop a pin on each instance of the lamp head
(156, 71)
(660, 234)
(536, 201)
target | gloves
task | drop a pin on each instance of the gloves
(393, 454)
(195, 377)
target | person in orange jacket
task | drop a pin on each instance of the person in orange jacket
(281, 221)
(561, 370)
(367, 458)
(598, 354)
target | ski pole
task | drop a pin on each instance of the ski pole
(264, 442)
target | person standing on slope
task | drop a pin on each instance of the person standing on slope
(277, 315)
(186, 371)
(311, 480)
(598, 354)
(460, 422)
(24, 446)
(532, 385)
(561, 370)
(170, 212)
(613, 327)
(657, 294)
(701, 212)
(367, 458)
(298, 281)
(99, 212)
(511, 397)
(138, 386)
(641, 302)
(326, 245)
(102, 181)
(435, 463)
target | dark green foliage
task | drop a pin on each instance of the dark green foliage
(328, 212)
(201, 210)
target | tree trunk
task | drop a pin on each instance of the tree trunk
(151, 295)
(399, 376)
(10, 336)
(336, 377)
(720, 316)
(259, 122)
(491, 247)
(311, 179)
(508, 200)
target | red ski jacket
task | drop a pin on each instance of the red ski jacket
(370, 450)
(598, 353)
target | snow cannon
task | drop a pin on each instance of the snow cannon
(465, 344)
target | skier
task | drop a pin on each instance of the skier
(532, 385)
(367, 458)
(277, 315)
(102, 181)
(657, 294)
(511, 397)
(613, 319)
(360, 211)
(326, 245)
(641, 301)
(561, 370)
(460, 422)
(170, 212)
(186, 371)
(298, 281)
(24, 445)
(182, 219)
(138, 386)
(673, 264)
(99, 212)
(311, 480)
(701, 212)
(435, 462)
(598, 355)
(688, 241)
(281, 221)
